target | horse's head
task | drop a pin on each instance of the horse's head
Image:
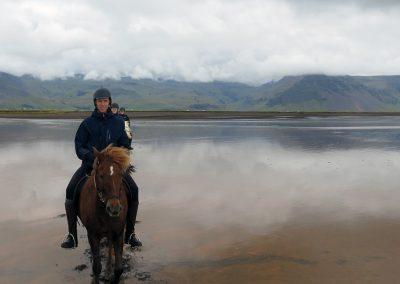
(108, 168)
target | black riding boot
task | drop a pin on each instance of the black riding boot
(130, 236)
(71, 241)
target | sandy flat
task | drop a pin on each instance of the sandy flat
(304, 251)
(361, 252)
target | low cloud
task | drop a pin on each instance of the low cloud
(247, 41)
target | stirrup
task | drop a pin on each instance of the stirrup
(134, 236)
(73, 238)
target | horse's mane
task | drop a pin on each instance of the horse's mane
(120, 156)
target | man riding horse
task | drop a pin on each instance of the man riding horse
(99, 130)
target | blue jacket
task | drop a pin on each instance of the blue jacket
(99, 130)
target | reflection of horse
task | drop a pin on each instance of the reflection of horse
(103, 205)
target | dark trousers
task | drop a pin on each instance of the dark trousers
(82, 171)
(132, 188)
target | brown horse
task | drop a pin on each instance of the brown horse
(103, 205)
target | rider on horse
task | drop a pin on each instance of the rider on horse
(114, 108)
(127, 123)
(99, 130)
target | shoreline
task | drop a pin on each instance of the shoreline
(172, 115)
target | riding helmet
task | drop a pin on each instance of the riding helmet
(114, 105)
(101, 94)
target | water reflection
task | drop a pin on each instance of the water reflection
(257, 184)
(311, 134)
(248, 173)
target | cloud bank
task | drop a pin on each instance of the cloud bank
(247, 41)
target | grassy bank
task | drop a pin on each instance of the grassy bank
(56, 114)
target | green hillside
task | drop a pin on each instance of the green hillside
(291, 93)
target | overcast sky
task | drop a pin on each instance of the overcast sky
(231, 40)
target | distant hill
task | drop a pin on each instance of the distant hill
(291, 93)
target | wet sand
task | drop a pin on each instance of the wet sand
(178, 251)
(363, 252)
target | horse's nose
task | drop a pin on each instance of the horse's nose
(113, 208)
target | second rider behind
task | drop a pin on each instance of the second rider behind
(127, 123)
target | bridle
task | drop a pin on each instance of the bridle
(100, 193)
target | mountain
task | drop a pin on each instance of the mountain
(291, 93)
(334, 93)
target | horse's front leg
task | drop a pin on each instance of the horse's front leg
(110, 253)
(95, 248)
(118, 242)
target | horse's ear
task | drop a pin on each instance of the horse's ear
(95, 152)
(109, 146)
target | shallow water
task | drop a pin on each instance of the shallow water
(208, 187)
(254, 173)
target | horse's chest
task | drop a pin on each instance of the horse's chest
(105, 226)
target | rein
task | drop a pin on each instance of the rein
(100, 193)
